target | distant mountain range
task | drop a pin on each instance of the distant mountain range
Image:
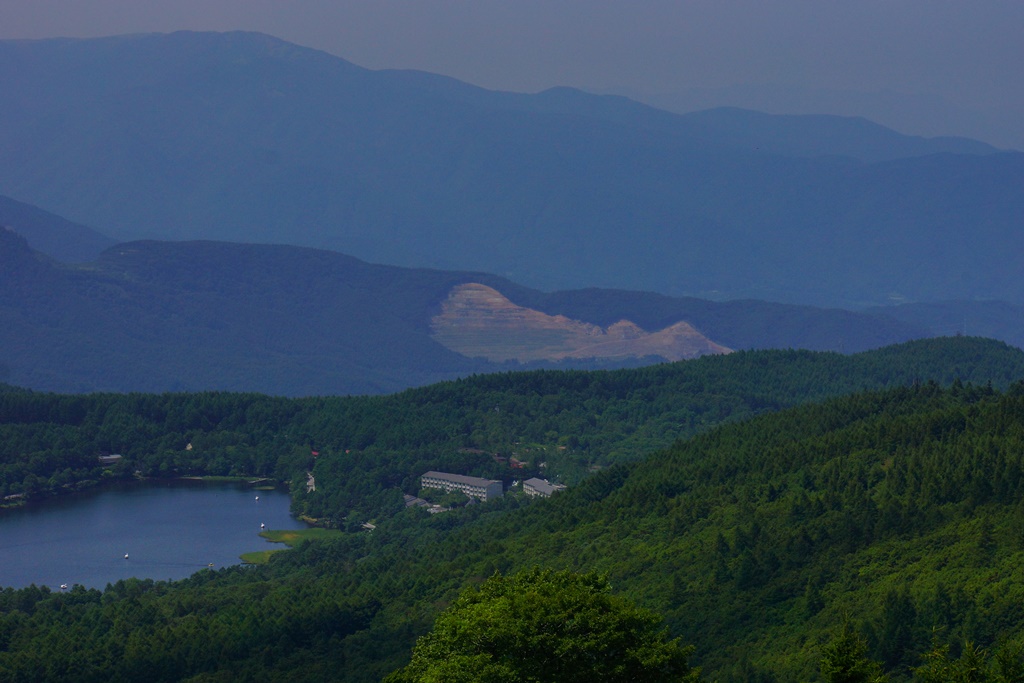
(160, 316)
(922, 114)
(242, 137)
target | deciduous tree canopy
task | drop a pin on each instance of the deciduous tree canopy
(543, 625)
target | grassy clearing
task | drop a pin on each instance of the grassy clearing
(293, 537)
(290, 537)
(259, 556)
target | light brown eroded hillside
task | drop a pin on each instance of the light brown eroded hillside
(479, 322)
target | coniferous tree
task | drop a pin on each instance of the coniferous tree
(845, 660)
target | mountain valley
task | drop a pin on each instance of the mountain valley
(763, 374)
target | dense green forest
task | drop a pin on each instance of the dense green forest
(894, 510)
(371, 449)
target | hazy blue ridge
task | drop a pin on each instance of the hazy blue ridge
(190, 316)
(51, 234)
(996, 319)
(243, 137)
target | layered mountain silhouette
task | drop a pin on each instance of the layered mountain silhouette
(163, 316)
(51, 234)
(243, 137)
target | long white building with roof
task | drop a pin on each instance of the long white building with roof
(483, 489)
(540, 487)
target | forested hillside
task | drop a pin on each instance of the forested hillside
(898, 510)
(895, 508)
(371, 449)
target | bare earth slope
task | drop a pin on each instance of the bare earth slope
(480, 322)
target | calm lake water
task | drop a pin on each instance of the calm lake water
(169, 530)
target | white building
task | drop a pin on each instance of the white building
(484, 489)
(540, 487)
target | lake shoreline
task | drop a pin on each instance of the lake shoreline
(160, 529)
(21, 500)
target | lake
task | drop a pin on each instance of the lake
(168, 529)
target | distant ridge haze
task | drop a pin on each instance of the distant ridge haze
(929, 115)
(242, 137)
(191, 316)
(51, 234)
(918, 66)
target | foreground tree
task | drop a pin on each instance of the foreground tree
(845, 660)
(540, 626)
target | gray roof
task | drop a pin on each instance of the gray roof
(540, 485)
(461, 479)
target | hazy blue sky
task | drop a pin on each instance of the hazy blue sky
(938, 64)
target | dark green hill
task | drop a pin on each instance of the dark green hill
(574, 422)
(160, 316)
(246, 138)
(897, 508)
